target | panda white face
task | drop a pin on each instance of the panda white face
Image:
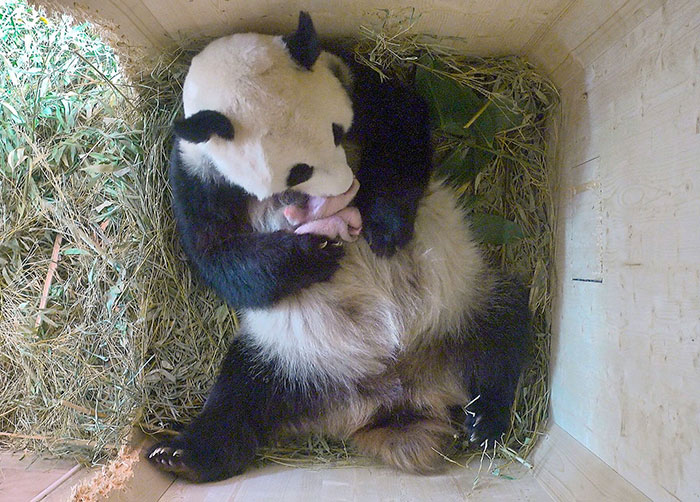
(266, 116)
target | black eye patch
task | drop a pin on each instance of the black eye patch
(338, 133)
(299, 174)
(202, 125)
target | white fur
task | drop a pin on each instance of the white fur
(373, 308)
(282, 115)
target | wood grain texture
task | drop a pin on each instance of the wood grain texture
(626, 358)
(62, 492)
(362, 484)
(493, 27)
(128, 478)
(147, 485)
(571, 473)
(24, 476)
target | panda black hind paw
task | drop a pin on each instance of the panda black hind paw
(486, 426)
(174, 458)
(196, 461)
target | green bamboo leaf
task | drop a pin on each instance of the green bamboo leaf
(13, 112)
(469, 201)
(494, 229)
(451, 105)
(74, 251)
(463, 164)
(498, 116)
(460, 111)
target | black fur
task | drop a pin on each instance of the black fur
(304, 45)
(498, 348)
(202, 125)
(299, 174)
(248, 269)
(397, 417)
(245, 407)
(338, 134)
(391, 124)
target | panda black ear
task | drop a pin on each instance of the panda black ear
(202, 125)
(304, 45)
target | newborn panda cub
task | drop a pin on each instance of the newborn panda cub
(381, 341)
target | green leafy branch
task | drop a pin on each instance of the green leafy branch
(473, 121)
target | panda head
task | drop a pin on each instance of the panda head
(267, 113)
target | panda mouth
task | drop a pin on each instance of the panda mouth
(331, 217)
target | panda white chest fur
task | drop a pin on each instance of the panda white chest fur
(381, 341)
(372, 309)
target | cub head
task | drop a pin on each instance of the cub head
(267, 113)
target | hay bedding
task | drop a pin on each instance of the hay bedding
(119, 333)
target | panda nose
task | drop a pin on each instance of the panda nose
(299, 174)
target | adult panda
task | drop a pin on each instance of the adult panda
(382, 341)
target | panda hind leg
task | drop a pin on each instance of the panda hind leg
(221, 441)
(406, 440)
(503, 347)
(247, 404)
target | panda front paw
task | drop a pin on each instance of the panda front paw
(320, 258)
(388, 227)
(325, 253)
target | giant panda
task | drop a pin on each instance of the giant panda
(381, 340)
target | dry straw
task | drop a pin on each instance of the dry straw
(127, 336)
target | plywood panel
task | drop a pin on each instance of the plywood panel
(627, 355)
(130, 20)
(583, 222)
(62, 492)
(363, 484)
(489, 28)
(583, 31)
(128, 478)
(571, 473)
(25, 476)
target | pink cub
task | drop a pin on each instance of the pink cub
(328, 216)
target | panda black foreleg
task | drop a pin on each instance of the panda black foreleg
(503, 348)
(256, 270)
(246, 268)
(247, 404)
(393, 127)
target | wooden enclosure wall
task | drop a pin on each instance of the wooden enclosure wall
(626, 361)
(490, 27)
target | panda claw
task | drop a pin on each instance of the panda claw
(323, 245)
(196, 461)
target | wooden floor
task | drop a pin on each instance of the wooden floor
(27, 479)
(563, 471)
(366, 484)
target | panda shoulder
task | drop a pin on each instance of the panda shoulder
(187, 158)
